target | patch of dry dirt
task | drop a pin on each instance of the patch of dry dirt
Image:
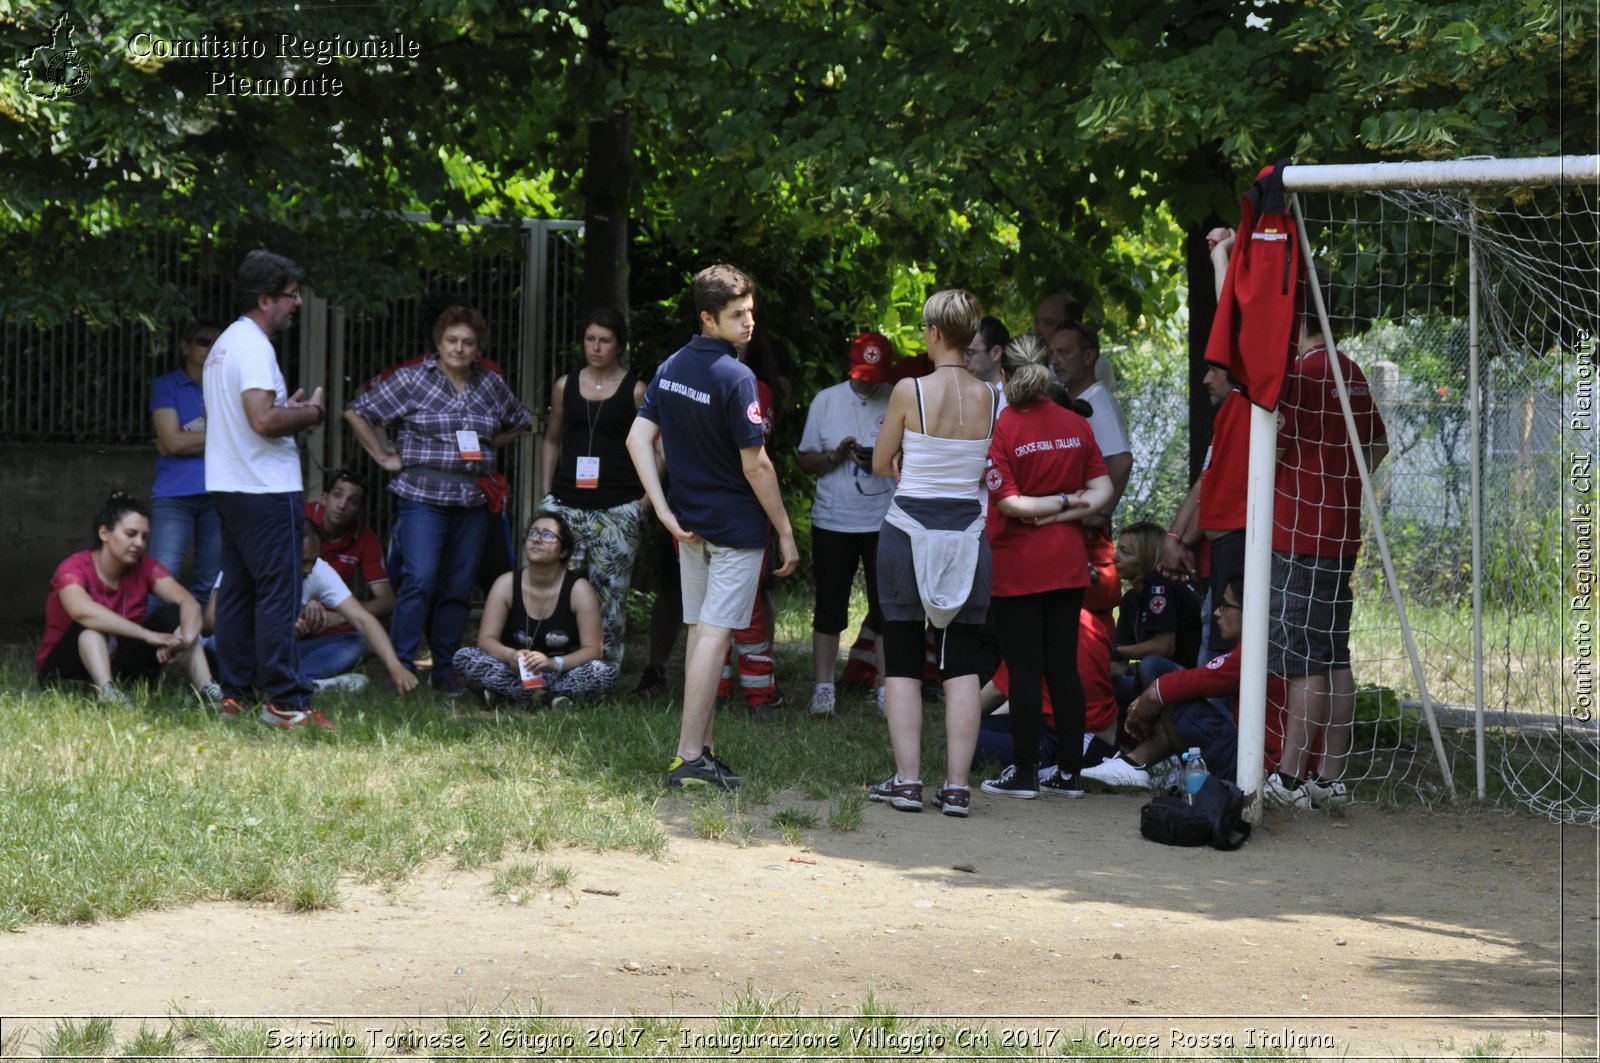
(1378, 933)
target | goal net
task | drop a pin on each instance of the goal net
(1485, 501)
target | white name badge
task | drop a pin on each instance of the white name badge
(588, 474)
(467, 443)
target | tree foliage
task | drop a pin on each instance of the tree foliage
(1014, 148)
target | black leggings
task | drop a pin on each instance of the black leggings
(1039, 638)
(905, 648)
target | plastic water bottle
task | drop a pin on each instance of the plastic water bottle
(1195, 772)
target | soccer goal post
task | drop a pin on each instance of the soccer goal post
(1465, 295)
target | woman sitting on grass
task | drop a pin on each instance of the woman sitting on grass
(96, 628)
(543, 622)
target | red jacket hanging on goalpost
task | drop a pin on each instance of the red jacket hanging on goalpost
(1253, 335)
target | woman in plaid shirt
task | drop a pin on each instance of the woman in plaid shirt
(452, 417)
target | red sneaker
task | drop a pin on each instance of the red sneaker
(316, 719)
(274, 716)
(230, 708)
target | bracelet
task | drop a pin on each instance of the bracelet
(1066, 503)
(560, 663)
(1175, 537)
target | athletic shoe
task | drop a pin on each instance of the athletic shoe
(1279, 791)
(729, 776)
(1056, 784)
(701, 771)
(286, 719)
(1325, 793)
(1118, 771)
(112, 697)
(898, 794)
(1013, 783)
(823, 700)
(953, 800)
(561, 701)
(316, 719)
(211, 695)
(349, 683)
(883, 705)
(652, 683)
(230, 709)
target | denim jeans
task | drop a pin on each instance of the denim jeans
(326, 656)
(175, 523)
(438, 565)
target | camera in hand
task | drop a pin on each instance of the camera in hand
(863, 453)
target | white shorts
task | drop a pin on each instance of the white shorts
(719, 583)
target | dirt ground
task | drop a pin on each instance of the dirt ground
(1376, 934)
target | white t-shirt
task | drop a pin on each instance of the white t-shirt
(849, 498)
(1110, 430)
(237, 459)
(323, 584)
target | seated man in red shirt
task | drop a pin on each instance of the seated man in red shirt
(329, 646)
(1197, 720)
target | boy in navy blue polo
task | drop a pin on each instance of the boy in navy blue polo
(703, 406)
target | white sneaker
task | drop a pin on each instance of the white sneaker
(349, 683)
(823, 699)
(1279, 793)
(1326, 792)
(1115, 771)
(111, 695)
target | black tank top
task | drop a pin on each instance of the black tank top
(606, 423)
(556, 633)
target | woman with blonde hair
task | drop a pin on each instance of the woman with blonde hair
(933, 563)
(1045, 475)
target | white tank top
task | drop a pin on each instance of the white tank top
(941, 467)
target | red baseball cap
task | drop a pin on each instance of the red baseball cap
(870, 356)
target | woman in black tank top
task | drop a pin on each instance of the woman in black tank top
(539, 640)
(587, 474)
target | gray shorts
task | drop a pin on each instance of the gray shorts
(1309, 632)
(719, 583)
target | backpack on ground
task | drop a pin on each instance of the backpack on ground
(1216, 817)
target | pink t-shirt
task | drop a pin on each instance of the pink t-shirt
(127, 599)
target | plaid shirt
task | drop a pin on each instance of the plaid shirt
(430, 411)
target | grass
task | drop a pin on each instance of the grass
(110, 813)
(748, 1024)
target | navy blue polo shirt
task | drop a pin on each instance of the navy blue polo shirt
(705, 402)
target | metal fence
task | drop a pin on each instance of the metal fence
(80, 383)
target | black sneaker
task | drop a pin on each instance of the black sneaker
(701, 771)
(652, 683)
(730, 776)
(1058, 785)
(1013, 783)
(953, 800)
(898, 794)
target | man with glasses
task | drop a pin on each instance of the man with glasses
(253, 474)
(836, 447)
(983, 353)
(1183, 696)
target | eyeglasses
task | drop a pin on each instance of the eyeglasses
(293, 296)
(542, 535)
(1228, 605)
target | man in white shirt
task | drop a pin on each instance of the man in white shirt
(253, 476)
